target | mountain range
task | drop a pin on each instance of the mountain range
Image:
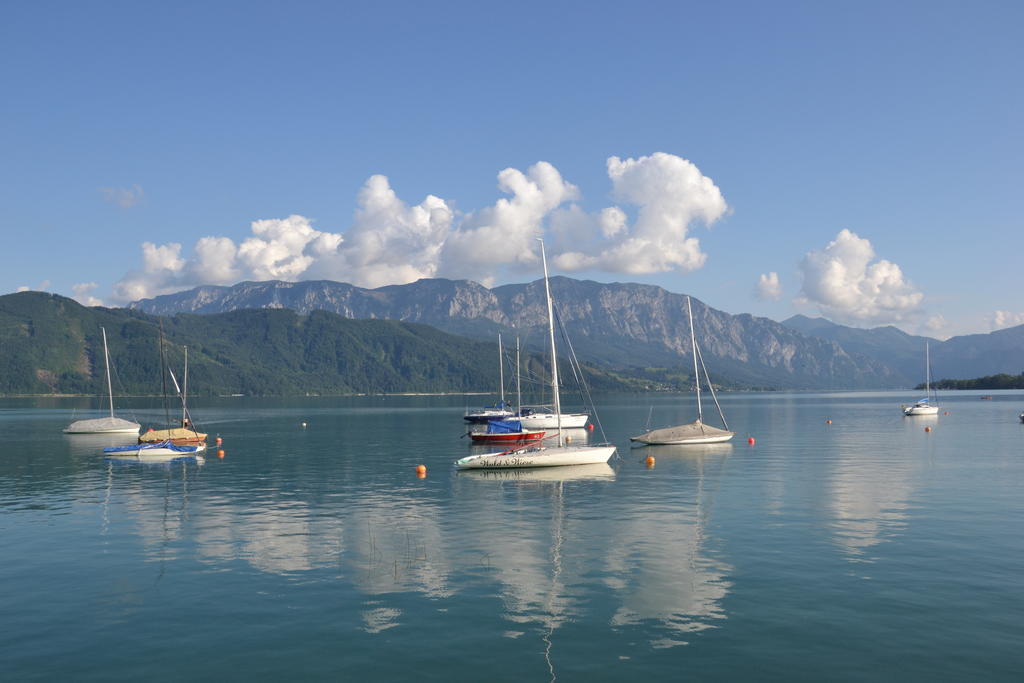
(637, 329)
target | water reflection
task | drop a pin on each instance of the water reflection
(659, 565)
(870, 485)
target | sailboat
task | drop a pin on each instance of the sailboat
(543, 455)
(185, 433)
(104, 425)
(924, 406)
(499, 410)
(696, 432)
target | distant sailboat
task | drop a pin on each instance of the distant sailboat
(500, 410)
(104, 425)
(926, 405)
(543, 456)
(696, 432)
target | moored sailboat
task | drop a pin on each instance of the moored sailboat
(543, 455)
(104, 425)
(926, 405)
(695, 432)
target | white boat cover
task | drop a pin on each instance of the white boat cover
(695, 432)
(103, 425)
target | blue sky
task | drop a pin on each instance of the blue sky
(167, 123)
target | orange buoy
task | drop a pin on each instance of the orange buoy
(927, 429)
(219, 441)
(828, 422)
(220, 453)
(421, 470)
(650, 461)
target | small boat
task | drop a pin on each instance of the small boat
(924, 406)
(543, 417)
(147, 449)
(1022, 417)
(538, 456)
(985, 398)
(104, 425)
(505, 431)
(185, 433)
(696, 432)
(542, 455)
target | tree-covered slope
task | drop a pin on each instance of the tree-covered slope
(53, 345)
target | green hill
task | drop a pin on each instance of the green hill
(52, 344)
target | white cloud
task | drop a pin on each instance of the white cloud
(1002, 319)
(671, 194)
(23, 288)
(83, 294)
(844, 283)
(768, 287)
(125, 197)
(389, 242)
(505, 234)
(392, 242)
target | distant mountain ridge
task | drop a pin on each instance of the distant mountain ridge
(964, 357)
(620, 325)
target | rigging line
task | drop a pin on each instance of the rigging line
(711, 387)
(577, 372)
(585, 396)
(163, 374)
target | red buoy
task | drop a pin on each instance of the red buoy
(219, 441)
(590, 427)
(750, 440)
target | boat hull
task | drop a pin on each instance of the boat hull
(159, 449)
(507, 438)
(550, 421)
(911, 411)
(539, 456)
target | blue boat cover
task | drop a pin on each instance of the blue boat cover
(923, 400)
(504, 426)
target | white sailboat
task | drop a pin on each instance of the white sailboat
(696, 432)
(104, 425)
(499, 411)
(543, 456)
(926, 405)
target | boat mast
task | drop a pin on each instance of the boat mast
(501, 375)
(519, 391)
(693, 343)
(927, 372)
(551, 334)
(106, 361)
(184, 389)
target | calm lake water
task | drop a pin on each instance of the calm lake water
(865, 549)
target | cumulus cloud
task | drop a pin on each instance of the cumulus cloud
(1002, 319)
(23, 288)
(671, 195)
(768, 287)
(847, 286)
(125, 197)
(83, 294)
(505, 234)
(392, 242)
